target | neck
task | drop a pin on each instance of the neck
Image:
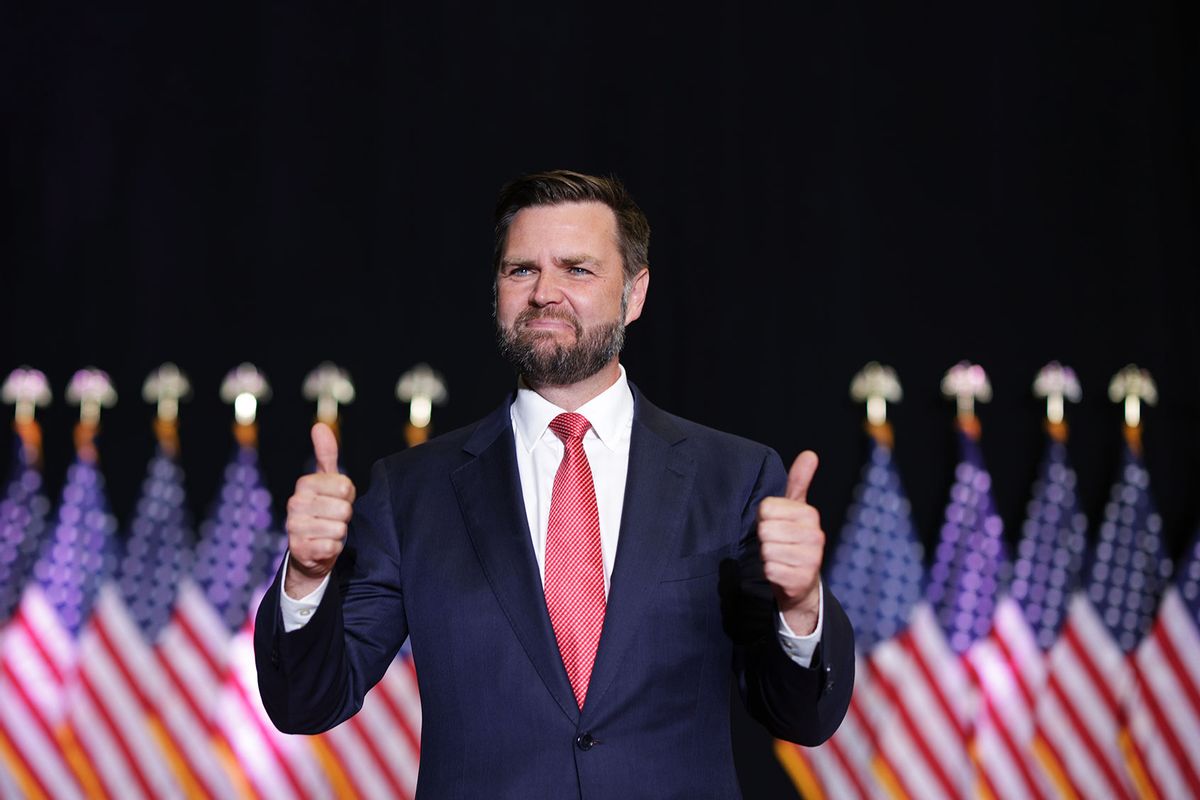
(572, 396)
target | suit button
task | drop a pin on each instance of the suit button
(584, 741)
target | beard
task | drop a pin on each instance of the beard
(543, 362)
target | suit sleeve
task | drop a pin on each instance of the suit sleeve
(804, 705)
(316, 676)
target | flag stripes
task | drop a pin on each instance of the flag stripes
(1079, 716)
(1008, 670)
(37, 653)
(109, 704)
(1164, 715)
(923, 742)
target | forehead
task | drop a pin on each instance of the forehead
(589, 228)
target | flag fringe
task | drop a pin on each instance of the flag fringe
(798, 770)
(1137, 770)
(175, 761)
(887, 779)
(1053, 769)
(241, 783)
(89, 781)
(343, 789)
(16, 768)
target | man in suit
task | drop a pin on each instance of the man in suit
(578, 572)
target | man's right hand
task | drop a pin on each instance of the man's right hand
(317, 514)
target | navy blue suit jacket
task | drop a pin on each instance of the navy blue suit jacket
(439, 550)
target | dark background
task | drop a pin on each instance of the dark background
(830, 183)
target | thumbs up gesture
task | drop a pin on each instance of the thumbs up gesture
(317, 516)
(792, 545)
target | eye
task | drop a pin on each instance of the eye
(579, 271)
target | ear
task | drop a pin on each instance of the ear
(637, 295)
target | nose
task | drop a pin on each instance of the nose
(546, 291)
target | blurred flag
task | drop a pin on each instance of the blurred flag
(39, 648)
(1079, 714)
(922, 672)
(876, 573)
(239, 552)
(236, 550)
(126, 693)
(1009, 666)
(23, 506)
(1054, 536)
(23, 511)
(1164, 713)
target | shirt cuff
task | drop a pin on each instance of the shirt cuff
(801, 648)
(297, 613)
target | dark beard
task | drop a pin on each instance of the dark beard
(560, 366)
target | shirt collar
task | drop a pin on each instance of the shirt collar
(610, 413)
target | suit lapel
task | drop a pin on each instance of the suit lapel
(489, 492)
(657, 488)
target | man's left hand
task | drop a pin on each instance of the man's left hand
(789, 531)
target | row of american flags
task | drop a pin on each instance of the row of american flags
(126, 661)
(126, 667)
(1070, 668)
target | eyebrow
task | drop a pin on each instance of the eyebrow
(573, 260)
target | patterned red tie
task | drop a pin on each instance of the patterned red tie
(574, 582)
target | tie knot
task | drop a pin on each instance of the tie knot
(570, 426)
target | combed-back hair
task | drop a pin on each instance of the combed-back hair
(564, 186)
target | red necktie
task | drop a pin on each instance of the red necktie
(574, 581)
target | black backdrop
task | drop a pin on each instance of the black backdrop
(828, 184)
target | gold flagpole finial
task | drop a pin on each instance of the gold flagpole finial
(27, 389)
(876, 385)
(330, 386)
(967, 383)
(1133, 386)
(1056, 384)
(245, 387)
(165, 387)
(422, 388)
(91, 389)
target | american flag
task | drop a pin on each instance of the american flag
(925, 671)
(239, 551)
(1080, 717)
(1164, 714)
(876, 573)
(39, 647)
(193, 647)
(23, 511)
(1010, 664)
(122, 693)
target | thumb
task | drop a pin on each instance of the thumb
(325, 448)
(800, 476)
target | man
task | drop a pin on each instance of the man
(578, 571)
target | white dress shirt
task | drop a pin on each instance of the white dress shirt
(539, 452)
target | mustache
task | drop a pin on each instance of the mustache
(561, 315)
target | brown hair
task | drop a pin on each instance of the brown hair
(563, 186)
